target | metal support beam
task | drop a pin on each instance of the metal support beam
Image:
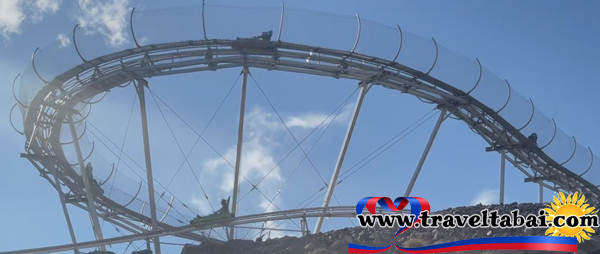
(86, 182)
(411, 184)
(238, 159)
(364, 88)
(124, 224)
(502, 176)
(305, 229)
(61, 195)
(541, 192)
(342, 211)
(140, 89)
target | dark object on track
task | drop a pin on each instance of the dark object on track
(265, 36)
(222, 213)
(209, 218)
(533, 137)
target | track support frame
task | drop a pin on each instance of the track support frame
(61, 196)
(86, 182)
(502, 176)
(364, 88)
(436, 128)
(541, 192)
(140, 91)
(238, 159)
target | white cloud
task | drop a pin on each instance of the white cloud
(40, 7)
(14, 12)
(105, 17)
(487, 197)
(257, 159)
(64, 40)
(200, 202)
(11, 16)
(312, 120)
(262, 132)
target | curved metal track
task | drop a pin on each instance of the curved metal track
(330, 212)
(47, 111)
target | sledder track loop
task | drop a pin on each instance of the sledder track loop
(44, 118)
(46, 113)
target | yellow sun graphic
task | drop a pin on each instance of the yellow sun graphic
(568, 206)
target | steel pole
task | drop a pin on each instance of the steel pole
(86, 182)
(140, 89)
(541, 192)
(502, 176)
(364, 88)
(238, 157)
(345, 211)
(425, 152)
(61, 195)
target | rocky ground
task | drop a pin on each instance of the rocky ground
(337, 241)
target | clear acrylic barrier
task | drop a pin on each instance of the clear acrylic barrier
(561, 149)
(417, 52)
(177, 215)
(226, 22)
(455, 69)
(168, 25)
(581, 161)
(55, 59)
(93, 44)
(301, 27)
(542, 126)
(50, 61)
(122, 189)
(118, 183)
(491, 91)
(378, 40)
(30, 84)
(68, 147)
(319, 29)
(593, 175)
(518, 110)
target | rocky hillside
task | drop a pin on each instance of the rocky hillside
(337, 241)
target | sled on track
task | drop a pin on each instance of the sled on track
(209, 218)
(259, 42)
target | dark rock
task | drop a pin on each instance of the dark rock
(337, 241)
(322, 251)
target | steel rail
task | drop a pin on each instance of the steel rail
(342, 211)
(44, 116)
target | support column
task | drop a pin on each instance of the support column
(540, 192)
(238, 159)
(364, 88)
(411, 184)
(502, 176)
(86, 182)
(140, 89)
(61, 195)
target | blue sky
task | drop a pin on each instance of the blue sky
(547, 50)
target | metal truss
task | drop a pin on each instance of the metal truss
(54, 102)
(318, 212)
